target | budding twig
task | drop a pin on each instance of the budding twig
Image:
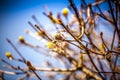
(16, 49)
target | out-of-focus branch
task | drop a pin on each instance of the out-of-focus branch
(16, 49)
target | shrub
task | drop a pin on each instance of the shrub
(86, 51)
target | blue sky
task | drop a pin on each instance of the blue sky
(14, 15)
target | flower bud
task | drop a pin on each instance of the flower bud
(58, 36)
(40, 33)
(55, 20)
(51, 45)
(65, 11)
(9, 55)
(30, 65)
(21, 39)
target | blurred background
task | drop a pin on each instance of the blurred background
(14, 17)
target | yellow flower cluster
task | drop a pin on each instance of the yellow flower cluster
(51, 45)
(54, 47)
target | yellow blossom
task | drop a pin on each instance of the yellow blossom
(21, 39)
(9, 55)
(65, 11)
(51, 45)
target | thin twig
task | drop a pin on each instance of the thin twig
(36, 75)
(36, 20)
(16, 49)
(12, 73)
(75, 10)
(115, 22)
(113, 39)
(94, 64)
(101, 35)
(9, 64)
